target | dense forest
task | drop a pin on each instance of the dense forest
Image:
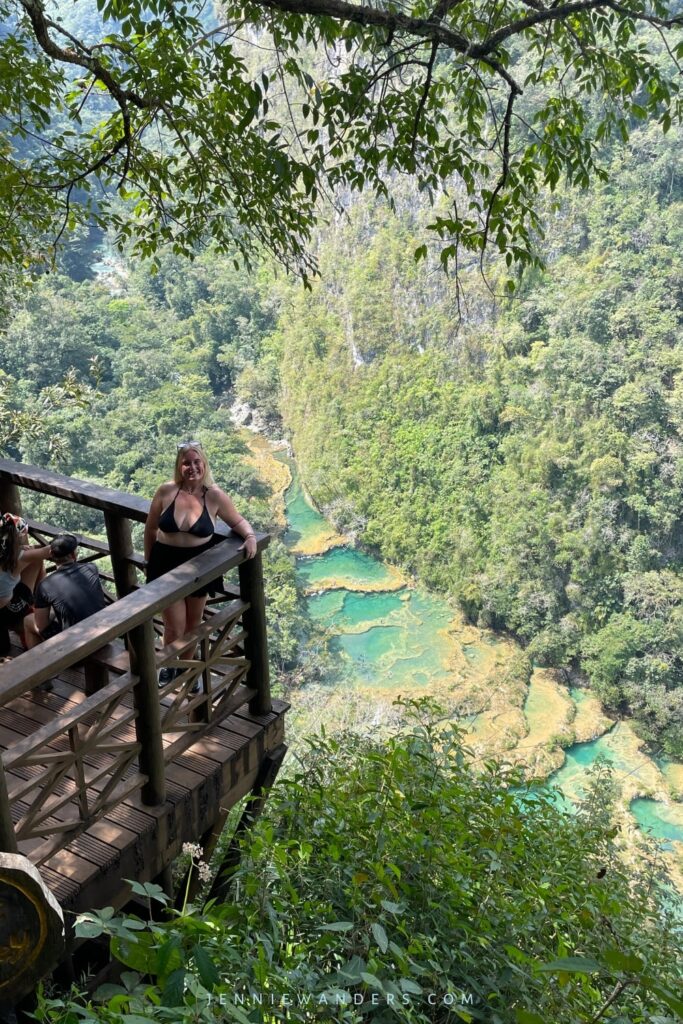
(522, 455)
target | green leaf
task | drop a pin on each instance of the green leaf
(131, 979)
(671, 1000)
(169, 957)
(391, 907)
(372, 980)
(174, 988)
(572, 965)
(88, 929)
(206, 968)
(623, 961)
(352, 969)
(337, 926)
(149, 889)
(380, 937)
(140, 955)
(108, 991)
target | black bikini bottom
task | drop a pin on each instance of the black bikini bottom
(165, 557)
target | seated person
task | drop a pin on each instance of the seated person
(68, 595)
(21, 567)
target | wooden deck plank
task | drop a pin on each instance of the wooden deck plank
(174, 825)
(134, 840)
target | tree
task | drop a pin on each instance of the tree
(172, 127)
(390, 881)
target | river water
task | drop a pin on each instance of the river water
(391, 638)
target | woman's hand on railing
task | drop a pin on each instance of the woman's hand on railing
(249, 545)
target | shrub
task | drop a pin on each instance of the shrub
(393, 881)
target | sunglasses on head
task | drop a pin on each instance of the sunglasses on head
(189, 444)
(19, 524)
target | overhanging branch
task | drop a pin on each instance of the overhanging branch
(81, 59)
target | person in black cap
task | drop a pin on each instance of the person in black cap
(68, 595)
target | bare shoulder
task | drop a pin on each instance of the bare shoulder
(218, 499)
(166, 489)
(221, 504)
(215, 492)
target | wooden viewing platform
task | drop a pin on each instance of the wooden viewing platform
(104, 777)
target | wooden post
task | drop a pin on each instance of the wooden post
(8, 839)
(10, 499)
(148, 720)
(267, 773)
(120, 550)
(96, 676)
(256, 644)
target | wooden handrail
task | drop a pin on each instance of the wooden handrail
(235, 637)
(33, 478)
(77, 642)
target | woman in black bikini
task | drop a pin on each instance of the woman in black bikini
(180, 525)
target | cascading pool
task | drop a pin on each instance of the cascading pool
(664, 821)
(393, 637)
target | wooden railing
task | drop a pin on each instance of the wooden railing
(60, 779)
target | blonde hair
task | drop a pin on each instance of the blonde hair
(207, 479)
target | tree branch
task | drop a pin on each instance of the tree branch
(77, 42)
(561, 13)
(425, 94)
(48, 45)
(393, 21)
(436, 31)
(651, 19)
(443, 8)
(507, 122)
(65, 221)
(614, 995)
(95, 166)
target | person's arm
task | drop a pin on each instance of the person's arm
(28, 554)
(152, 522)
(229, 514)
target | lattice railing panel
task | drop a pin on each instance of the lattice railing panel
(210, 681)
(60, 775)
(67, 774)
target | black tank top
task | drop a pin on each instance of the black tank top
(203, 527)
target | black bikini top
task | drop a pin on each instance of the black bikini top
(202, 527)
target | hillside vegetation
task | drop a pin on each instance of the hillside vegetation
(393, 881)
(527, 458)
(523, 456)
